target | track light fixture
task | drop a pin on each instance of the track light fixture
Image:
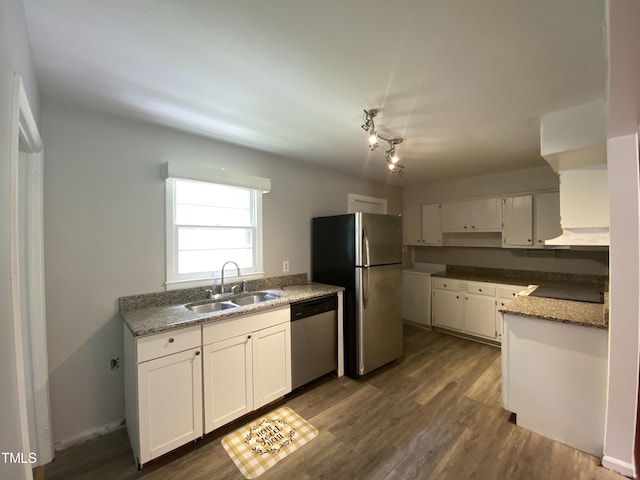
(392, 157)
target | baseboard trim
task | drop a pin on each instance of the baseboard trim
(89, 435)
(618, 466)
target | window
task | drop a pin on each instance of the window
(210, 223)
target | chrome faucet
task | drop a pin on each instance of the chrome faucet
(222, 274)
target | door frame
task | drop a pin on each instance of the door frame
(26, 137)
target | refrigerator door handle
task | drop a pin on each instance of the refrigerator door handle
(365, 288)
(365, 244)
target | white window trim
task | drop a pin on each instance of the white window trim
(174, 171)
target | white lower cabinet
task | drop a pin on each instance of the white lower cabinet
(247, 364)
(170, 396)
(228, 379)
(479, 315)
(505, 294)
(471, 308)
(416, 300)
(163, 391)
(448, 308)
(184, 383)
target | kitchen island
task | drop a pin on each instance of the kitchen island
(554, 368)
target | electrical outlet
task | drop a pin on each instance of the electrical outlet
(114, 363)
(285, 266)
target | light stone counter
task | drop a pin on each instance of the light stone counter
(142, 317)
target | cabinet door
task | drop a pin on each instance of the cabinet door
(547, 217)
(480, 315)
(456, 217)
(486, 215)
(518, 221)
(415, 296)
(271, 364)
(412, 226)
(228, 384)
(448, 309)
(169, 402)
(431, 229)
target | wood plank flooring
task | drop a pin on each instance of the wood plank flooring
(434, 414)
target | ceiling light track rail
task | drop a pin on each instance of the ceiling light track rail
(369, 126)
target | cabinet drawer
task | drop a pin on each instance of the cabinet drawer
(482, 289)
(509, 291)
(161, 344)
(216, 331)
(446, 284)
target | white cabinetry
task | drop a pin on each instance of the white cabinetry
(479, 310)
(546, 217)
(247, 364)
(470, 307)
(518, 221)
(228, 374)
(422, 225)
(416, 297)
(504, 295)
(482, 215)
(448, 303)
(163, 391)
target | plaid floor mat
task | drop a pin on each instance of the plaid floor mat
(259, 445)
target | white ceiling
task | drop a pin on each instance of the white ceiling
(463, 81)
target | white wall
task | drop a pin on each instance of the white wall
(624, 185)
(624, 329)
(15, 57)
(505, 183)
(105, 238)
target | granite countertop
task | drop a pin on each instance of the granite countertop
(564, 311)
(149, 320)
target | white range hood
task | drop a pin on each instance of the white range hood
(573, 142)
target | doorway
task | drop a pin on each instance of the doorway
(27, 282)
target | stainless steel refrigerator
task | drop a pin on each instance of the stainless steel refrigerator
(362, 252)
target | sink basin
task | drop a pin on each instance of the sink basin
(216, 306)
(241, 301)
(255, 298)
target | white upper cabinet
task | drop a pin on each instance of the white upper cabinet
(422, 225)
(483, 215)
(546, 217)
(412, 224)
(518, 221)
(486, 214)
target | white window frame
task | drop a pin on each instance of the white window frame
(173, 172)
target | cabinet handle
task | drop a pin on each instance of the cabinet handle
(457, 296)
(473, 226)
(539, 241)
(197, 353)
(248, 337)
(171, 340)
(465, 226)
(445, 284)
(528, 240)
(479, 289)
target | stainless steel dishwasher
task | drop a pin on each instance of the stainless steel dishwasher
(314, 339)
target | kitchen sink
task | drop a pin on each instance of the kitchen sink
(216, 306)
(255, 298)
(240, 301)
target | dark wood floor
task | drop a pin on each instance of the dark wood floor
(434, 414)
